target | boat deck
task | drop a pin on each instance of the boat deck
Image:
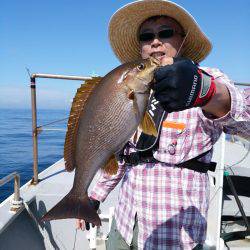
(55, 182)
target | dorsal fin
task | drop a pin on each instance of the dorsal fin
(76, 109)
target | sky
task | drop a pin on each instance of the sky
(71, 38)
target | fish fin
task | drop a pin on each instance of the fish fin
(111, 166)
(76, 109)
(131, 95)
(147, 125)
(73, 206)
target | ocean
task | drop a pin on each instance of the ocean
(16, 152)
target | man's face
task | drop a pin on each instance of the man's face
(158, 47)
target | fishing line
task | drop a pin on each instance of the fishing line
(182, 44)
(28, 71)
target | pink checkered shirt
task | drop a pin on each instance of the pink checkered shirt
(171, 203)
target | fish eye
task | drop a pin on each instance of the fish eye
(141, 66)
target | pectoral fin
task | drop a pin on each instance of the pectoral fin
(147, 125)
(111, 166)
(131, 95)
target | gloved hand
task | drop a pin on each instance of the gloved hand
(182, 85)
(80, 223)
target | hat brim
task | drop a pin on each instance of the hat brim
(124, 25)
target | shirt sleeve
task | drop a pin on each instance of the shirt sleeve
(106, 183)
(237, 120)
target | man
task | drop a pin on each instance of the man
(163, 199)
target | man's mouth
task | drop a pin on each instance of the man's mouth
(159, 55)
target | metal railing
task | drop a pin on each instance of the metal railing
(37, 129)
(16, 203)
(242, 84)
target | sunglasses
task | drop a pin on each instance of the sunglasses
(163, 34)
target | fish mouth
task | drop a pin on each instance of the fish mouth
(155, 61)
(159, 55)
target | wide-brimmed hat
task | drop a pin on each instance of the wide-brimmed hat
(124, 25)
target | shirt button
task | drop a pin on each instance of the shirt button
(171, 149)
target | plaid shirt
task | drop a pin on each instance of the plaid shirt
(171, 203)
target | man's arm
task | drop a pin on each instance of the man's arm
(236, 120)
(220, 103)
(106, 183)
(183, 84)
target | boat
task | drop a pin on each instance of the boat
(20, 213)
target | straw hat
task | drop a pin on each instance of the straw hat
(124, 25)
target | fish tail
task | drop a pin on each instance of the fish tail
(73, 206)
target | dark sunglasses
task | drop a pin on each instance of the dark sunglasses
(163, 34)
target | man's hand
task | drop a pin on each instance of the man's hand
(81, 224)
(183, 85)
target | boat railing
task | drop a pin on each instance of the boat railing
(244, 84)
(17, 202)
(37, 129)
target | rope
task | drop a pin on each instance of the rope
(54, 122)
(60, 120)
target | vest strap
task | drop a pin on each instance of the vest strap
(194, 164)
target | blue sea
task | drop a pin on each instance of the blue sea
(16, 152)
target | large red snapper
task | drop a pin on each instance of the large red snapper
(111, 114)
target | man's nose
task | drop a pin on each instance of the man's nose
(156, 43)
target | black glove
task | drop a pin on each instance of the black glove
(95, 204)
(182, 85)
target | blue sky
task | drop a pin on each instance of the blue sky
(70, 37)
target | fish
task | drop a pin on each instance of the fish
(105, 114)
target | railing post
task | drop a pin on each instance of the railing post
(16, 188)
(34, 130)
(17, 202)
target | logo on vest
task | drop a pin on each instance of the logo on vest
(153, 105)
